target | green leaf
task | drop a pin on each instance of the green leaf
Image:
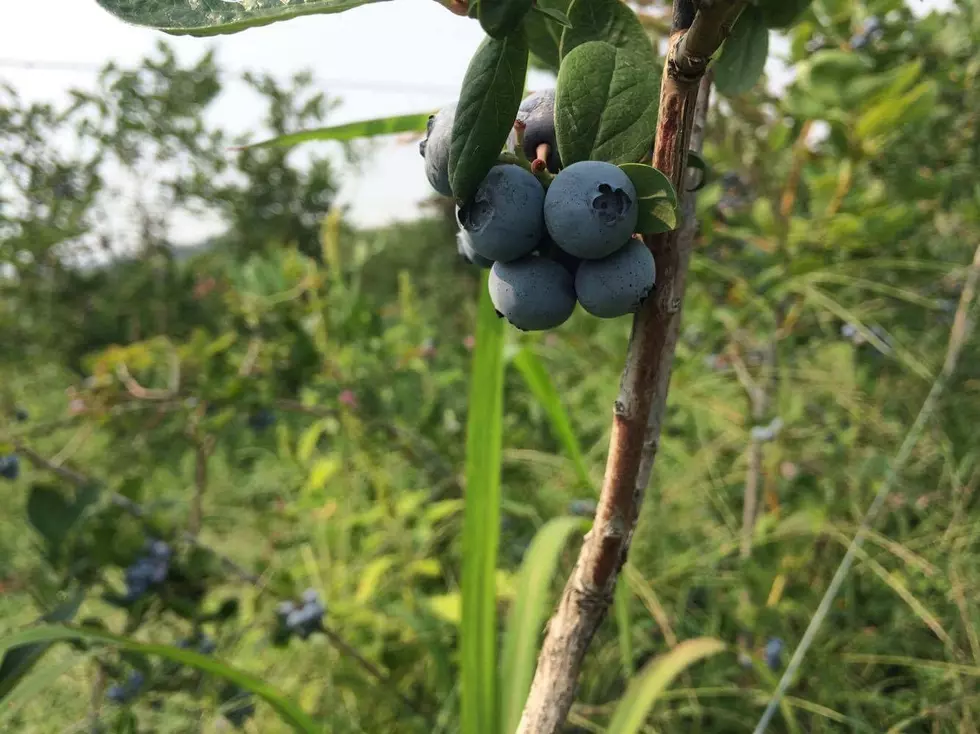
(351, 131)
(782, 13)
(17, 662)
(543, 31)
(525, 622)
(694, 160)
(610, 21)
(554, 13)
(288, 711)
(501, 17)
(658, 199)
(539, 383)
(492, 90)
(481, 522)
(743, 57)
(645, 689)
(213, 18)
(51, 514)
(897, 112)
(621, 610)
(605, 105)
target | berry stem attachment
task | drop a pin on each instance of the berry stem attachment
(543, 151)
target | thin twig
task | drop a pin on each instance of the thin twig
(640, 407)
(959, 333)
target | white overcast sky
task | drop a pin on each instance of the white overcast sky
(388, 58)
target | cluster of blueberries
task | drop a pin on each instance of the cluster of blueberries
(149, 570)
(547, 248)
(301, 619)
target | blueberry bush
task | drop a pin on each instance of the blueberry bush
(316, 478)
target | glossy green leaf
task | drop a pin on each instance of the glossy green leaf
(543, 31)
(624, 627)
(646, 688)
(782, 13)
(605, 105)
(539, 383)
(288, 711)
(481, 522)
(216, 17)
(492, 90)
(743, 57)
(501, 17)
(560, 17)
(414, 123)
(610, 21)
(525, 622)
(17, 662)
(657, 198)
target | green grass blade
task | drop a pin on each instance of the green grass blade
(287, 710)
(481, 522)
(525, 621)
(414, 123)
(644, 690)
(621, 610)
(539, 383)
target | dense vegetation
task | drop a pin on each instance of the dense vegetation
(286, 409)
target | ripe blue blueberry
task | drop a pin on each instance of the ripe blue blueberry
(434, 148)
(9, 467)
(261, 419)
(533, 293)
(774, 650)
(537, 112)
(117, 694)
(21, 414)
(617, 284)
(504, 218)
(590, 210)
(465, 249)
(240, 707)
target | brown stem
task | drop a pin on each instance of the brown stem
(639, 410)
(201, 458)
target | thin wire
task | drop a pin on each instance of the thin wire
(959, 335)
(352, 84)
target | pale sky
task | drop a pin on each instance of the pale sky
(383, 59)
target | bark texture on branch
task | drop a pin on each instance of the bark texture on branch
(639, 410)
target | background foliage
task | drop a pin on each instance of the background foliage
(295, 397)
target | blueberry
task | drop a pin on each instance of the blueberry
(295, 619)
(10, 467)
(774, 649)
(262, 419)
(206, 646)
(465, 249)
(158, 549)
(285, 609)
(21, 414)
(435, 149)
(537, 112)
(504, 219)
(590, 210)
(135, 682)
(310, 596)
(117, 694)
(848, 331)
(582, 508)
(533, 293)
(617, 284)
